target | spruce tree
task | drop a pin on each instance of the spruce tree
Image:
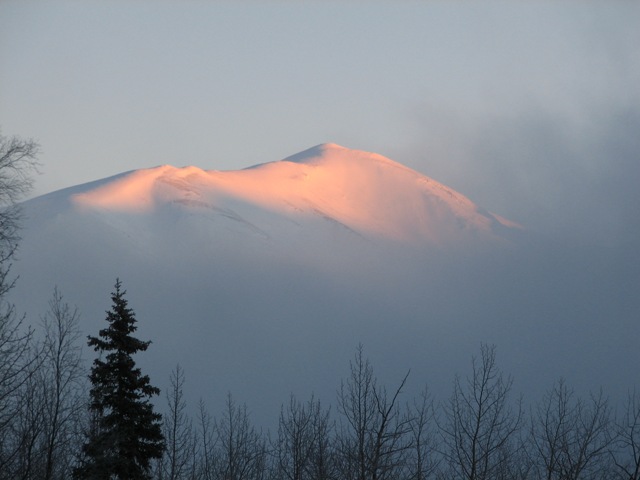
(125, 433)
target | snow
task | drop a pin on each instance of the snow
(361, 191)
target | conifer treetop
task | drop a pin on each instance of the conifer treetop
(122, 323)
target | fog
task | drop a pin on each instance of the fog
(263, 321)
(570, 176)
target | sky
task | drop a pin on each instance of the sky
(531, 109)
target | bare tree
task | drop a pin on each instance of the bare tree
(241, 452)
(294, 444)
(374, 440)
(323, 462)
(47, 416)
(627, 454)
(423, 462)
(570, 438)
(28, 425)
(179, 459)
(206, 434)
(17, 364)
(480, 427)
(62, 378)
(302, 449)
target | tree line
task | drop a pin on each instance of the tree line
(60, 420)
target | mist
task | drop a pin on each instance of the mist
(263, 322)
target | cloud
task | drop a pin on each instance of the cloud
(570, 179)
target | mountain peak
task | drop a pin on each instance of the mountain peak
(314, 152)
(358, 191)
(327, 154)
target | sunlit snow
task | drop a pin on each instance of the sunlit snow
(364, 192)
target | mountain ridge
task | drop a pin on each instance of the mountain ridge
(364, 192)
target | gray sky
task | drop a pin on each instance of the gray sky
(532, 109)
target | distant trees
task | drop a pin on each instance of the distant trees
(125, 432)
(480, 432)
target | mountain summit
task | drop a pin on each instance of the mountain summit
(324, 189)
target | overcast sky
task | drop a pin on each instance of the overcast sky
(532, 109)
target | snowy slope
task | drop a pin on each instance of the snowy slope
(363, 193)
(328, 209)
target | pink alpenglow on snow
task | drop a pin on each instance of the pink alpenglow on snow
(365, 193)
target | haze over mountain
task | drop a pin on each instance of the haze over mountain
(262, 281)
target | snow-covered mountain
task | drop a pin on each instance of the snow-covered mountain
(326, 190)
(262, 281)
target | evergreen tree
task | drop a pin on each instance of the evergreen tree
(125, 432)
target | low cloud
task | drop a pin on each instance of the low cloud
(573, 180)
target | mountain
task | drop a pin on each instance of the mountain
(327, 188)
(263, 281)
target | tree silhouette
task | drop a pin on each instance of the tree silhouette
(125, 432)
(479, 426)
(18, 160)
